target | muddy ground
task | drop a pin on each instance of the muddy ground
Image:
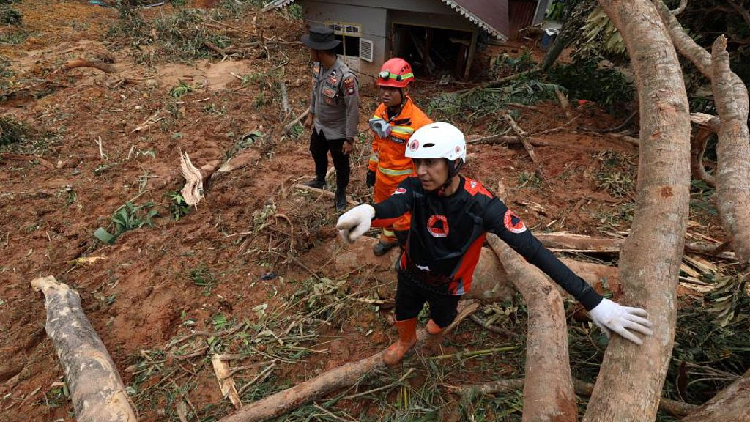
(249, 272)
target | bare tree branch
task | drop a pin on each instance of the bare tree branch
(741, 10)
(681, 8)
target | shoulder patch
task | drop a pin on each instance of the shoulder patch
(350, 85)
(399, 191)
(474, 187)
(513, 222)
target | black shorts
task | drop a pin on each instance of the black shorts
(411, 297)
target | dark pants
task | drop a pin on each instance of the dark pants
(319, 147)
(410, 298)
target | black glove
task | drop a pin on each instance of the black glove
(370, 178)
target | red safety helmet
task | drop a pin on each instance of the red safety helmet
(396, 73)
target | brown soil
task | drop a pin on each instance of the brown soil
(144, 294)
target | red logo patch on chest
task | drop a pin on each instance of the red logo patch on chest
(399, 191)
(437, 225)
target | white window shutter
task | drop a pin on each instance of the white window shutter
(365, 50)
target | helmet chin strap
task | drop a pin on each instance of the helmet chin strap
(453, 167)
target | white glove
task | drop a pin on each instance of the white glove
(609, 315)
(355, 222)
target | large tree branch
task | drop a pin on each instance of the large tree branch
(631, 378)
(731, 404)
(96, 390)
(548, 387)
(732, 151)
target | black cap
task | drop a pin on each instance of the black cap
(320, 38)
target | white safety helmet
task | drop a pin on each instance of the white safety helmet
(437, 140)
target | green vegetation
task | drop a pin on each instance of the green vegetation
(13, 132)
(586, 80)
(178, 208)
(476, 105)
(127, 217)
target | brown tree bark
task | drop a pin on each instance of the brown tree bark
(731, 404)
(629, 385)
(548, 387)
(730, 95)
(96, 389)
(732, 151)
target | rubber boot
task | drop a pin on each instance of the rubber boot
(433, 328)
(319, 182)
(381, 248)
(407, 337)
(340, 200)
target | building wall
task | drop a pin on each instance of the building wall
(377, 17)
(374, 28)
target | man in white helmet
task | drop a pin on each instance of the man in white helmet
(451, 215)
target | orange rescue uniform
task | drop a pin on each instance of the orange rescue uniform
(388, 162)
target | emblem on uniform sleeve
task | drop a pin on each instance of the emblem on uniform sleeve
(399, 191)
(513, 222)
(349, 85)
(437, 225)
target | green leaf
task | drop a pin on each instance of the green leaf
(104, 236)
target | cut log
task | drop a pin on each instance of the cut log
(96, 390)
(580, 243)
(731, 404)
(343, 376)
(548, 389)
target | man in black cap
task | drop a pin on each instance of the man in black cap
(334, 112)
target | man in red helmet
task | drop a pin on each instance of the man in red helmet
(395, 119)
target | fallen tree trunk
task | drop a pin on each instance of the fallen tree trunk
(548, 386)
(329, 381)
(582, 388)
(731, 404)
(631, 378)
(96, 389)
